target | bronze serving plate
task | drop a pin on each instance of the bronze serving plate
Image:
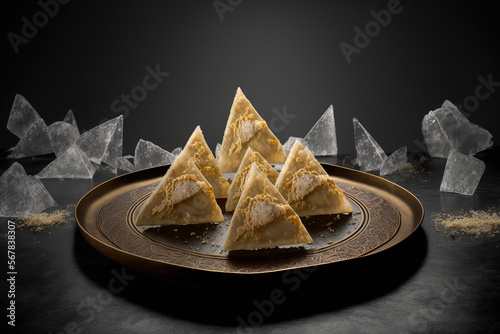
(384, 215)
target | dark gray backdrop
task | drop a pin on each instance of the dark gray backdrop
(284, 54)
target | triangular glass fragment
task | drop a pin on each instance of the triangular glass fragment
(22, 195)
(94, 142)
(72, 164)
(35, 142)
(240, 177)
(22, 116)
(307, 186)
(244, 128)
(369, 153)
(394, 162)
(446, 129)
(462, 174)
(124, 164)
(148, 155)
(183, 196)
(197, 148)
(287, 146)
(263, 218)
(322, 138)
(70, 118)
(62, 136)
(115, 146)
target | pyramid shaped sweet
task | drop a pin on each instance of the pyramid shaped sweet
(197, 148)
(238, 183)
(183, 196)
(244, 128)
(263, 218)
(22, 116)
(307, 186)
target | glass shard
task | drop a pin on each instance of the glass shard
(445, 129)
(394, 162)
(124, 164)
(62, 136)
(35, 142)
(462, 174)
(287, 146)
(22, 116)
(72, 164)
(115, 146)
(370, 155)
(22, 194)
(94, 142)
(148, 155)
(322, 138)
(70, 118)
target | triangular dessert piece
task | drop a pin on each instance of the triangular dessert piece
(246, 128)
(263, 218)
(72, 164)
(307, 186)
(197, 148)
(183, 196)
(239, 179)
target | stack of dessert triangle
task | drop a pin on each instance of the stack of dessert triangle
(267, 205)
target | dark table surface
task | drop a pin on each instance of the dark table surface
(431, 282)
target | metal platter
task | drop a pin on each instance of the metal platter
(384, 215)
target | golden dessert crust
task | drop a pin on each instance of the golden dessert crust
(307, 187)
(245, 128)
(263, 218)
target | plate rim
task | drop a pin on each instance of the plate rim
(113, 251)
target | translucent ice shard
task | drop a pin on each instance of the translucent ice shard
(447, 129)
(124, 164)
(148, 155)
(177, 151)
(22, 194)
(35, 141)
(322, 138)
(370, 155)
(72, 164)
(287, 146)
(94, 143)
(394, 162)
(115, 146)
(22, 116)
(218, 147)
(462, 174)
(62, 136)
(70, 118)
